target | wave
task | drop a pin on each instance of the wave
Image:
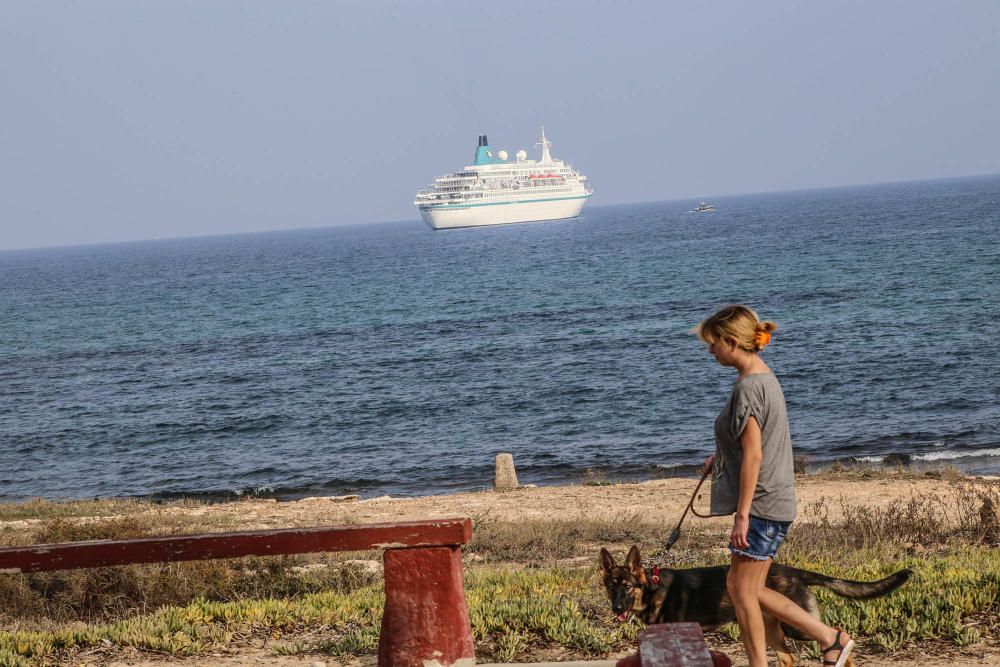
(929, 456)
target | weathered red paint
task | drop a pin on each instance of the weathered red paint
(720, 659)
(425, 618)
(99, 553)
(674, 645)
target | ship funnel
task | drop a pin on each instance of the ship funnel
(483, 153)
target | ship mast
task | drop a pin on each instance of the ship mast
(546, 145)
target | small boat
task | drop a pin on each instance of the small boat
(703, 208)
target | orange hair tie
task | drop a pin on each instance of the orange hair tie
(763, 338)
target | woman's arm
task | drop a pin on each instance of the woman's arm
(749, 472)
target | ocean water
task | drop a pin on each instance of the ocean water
(390, 359)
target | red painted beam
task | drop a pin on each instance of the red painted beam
(100, 553)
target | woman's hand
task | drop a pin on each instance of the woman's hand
(707, 467)
(740, 527)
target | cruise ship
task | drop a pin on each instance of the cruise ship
(497, 191)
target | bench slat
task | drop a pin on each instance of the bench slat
(100, 553)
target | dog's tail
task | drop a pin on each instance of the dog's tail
(858, 590)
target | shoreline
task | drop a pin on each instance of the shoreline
(900, 465)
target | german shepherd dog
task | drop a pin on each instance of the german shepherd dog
(699, 595)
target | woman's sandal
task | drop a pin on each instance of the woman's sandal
(845, 651)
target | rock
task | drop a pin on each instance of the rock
(372, 500)
(330, 499)
(309, 567)
(373, 566)
(342, 499)
(505, 478)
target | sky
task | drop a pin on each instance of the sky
(131, 119)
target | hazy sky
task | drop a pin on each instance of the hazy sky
(129, 119)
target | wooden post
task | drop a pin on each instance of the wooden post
(426, 622)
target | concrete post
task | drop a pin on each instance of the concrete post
(505, 478)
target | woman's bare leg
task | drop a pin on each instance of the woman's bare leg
(745, 583)
(786, 611)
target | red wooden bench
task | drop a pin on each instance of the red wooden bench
(425, 620)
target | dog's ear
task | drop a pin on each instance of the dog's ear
(607, 562)
(634, 564)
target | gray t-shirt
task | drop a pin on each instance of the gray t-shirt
(758, 395)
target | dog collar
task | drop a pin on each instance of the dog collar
(656, 575)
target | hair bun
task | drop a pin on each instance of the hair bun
(763, 338)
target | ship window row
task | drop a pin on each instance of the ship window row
(464, 193)
(508, 174)
(508, 193)
(493, 195)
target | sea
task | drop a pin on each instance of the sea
(389, 359)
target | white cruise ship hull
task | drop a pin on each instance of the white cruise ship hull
(454, 216)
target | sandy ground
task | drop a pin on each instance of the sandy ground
(656, 500)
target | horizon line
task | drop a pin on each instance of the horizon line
(417, 219)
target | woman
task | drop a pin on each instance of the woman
(753, 477)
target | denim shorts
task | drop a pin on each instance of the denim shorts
(764, 537)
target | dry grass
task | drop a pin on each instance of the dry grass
(110, 594)
(967, 514)
(542, 542)
(39, 508)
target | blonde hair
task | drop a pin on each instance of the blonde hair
(739, 323)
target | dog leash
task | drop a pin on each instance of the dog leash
(676, 533)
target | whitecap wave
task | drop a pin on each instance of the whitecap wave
(945, 456)
(253, 491)
(934, 456)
